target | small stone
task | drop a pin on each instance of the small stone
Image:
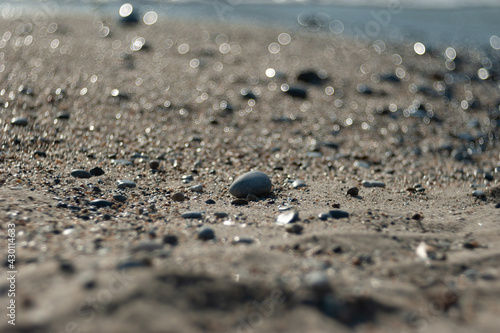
(353, 191)
(80, 174)
(99, 203)
(146, 247)
(361, 164)
(242, 240)
(119, 197)
(178, 197)
(339, 214)
(284, 208)
(19, 121)
(478, 194)
(364, 89)
(294, 228)
(63, 115)
(170, 239)
(97, 171)
(254, 182)
(125, 183)
(154, 164)
(298, 183)
(297, 92)
(497, 205)
(220, 215)
(206, 233)
(196, 188)
(324, 216)
(248, 94)
(367, 183)
(310, 77)
(210, 202)
(288, 217)
(239, 202)
(192, 215)
(123, 162)
(187, 179)
(40, 153)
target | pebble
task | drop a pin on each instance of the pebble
(187, 179)
(297, 92)
(146, 247)
(119, 197)
(361, 164)
(239, 202)
(220, 215)
(192, 215)
(242, 240)
(253, 182)
(284, 208)
(288, 217)
(339, 214)
(78, 173)
(154, 165)
(375, 183)
(294, 228)
(310, 77)
(97, 171)
(99, 203)
(299, 183)
(125, 183)
(196, 188)
(123, 162)
(170, 239)
(324, 216)
(40, 153)
(210, 202)
(497, 205)
(178, 197)
(63, 115)
(206, 233)
(19, 121)
(364, 89)
(478, 194)
(248, 94)
(353, 191)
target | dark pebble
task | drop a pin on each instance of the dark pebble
(324, 216)
(155, 164)
(192, 215)
(364, 89)
(254, 182)
(239, 202)
(63, 115)
(339, 214)
(62, 205)
(187, 179)
(353, 191)
(40, 153)
(20, 121)
(96, 171)
(220, 215)
(99, 203)
(119, 197)
(497, 205)
(170, 239)
(125, 183)
(146, 247)
(206, 233)
(67, 267)
(210, 202)
(80, 174)
(310, 77)
(178, 197)
(248, 94)
(294, 228)
(297, 92)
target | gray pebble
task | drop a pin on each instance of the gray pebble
(146, 247)
(187, 179)
(119, 197)
(196, 188)
(299, 183)
(374, 183)
(294, 228)
(254, 182)
(19, 121)
(206, 233)
(478, 193)
(339, 214)
(324, 216)
(80, 174)
(361, 164)
(220, 215)
(288, 217)
(123, 162)
(192, 215)
(154, 165)
(125, 183)
(178, 197)
(99, 203)
(284, 208)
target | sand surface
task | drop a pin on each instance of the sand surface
(430, 136)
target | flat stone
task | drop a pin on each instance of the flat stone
(146, 247)
(478, 194)
(324, 216)
(299, 183)
(99, 203)
(361, 164)
(210, 202)
(119, 197)
(254, 182)
(187, 179)
(78, 173)
(97, 171)
(19, 121)
(339, 214)
(375, 183)
(220, 215)
(125, 183)
(178, 197)
(242, 240)
(196, 188)
(239, 202)
(287, 217)
(192, 215)
(296, 92)
(123, 162)
(206, 233)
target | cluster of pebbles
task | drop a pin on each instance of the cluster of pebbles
(160, 145)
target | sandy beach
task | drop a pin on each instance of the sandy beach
(180, 110)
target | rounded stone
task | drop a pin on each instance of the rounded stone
(97, 171)
(125, 183)
(253, 182)
(99, 203)
(178, 197)
(80, 174)
(353, 191)
(206, 233)
(20, 121)
(154, 165)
